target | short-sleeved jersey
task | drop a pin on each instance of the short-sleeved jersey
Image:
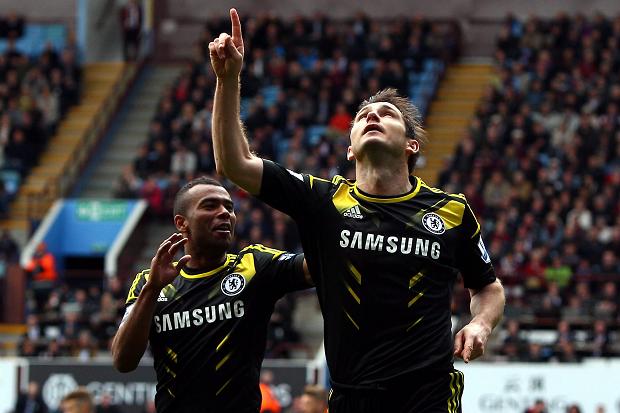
(384, 269)
(209, 329)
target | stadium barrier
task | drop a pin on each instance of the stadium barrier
(129, 391)
(513, 387)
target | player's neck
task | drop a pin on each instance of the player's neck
(382, 181)
(206, 262)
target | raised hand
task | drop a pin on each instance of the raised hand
(226, 51)
(163, 270)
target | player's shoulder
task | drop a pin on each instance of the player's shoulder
(441, 194)
(261, 251)
(136, 285)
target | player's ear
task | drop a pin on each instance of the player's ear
(413, 147)
(350, 156)
(181, 223)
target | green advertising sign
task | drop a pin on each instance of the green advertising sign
(101, 210)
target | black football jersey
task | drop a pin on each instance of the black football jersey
(209, 329)
(384, 269)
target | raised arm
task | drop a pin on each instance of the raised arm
(233, 158)
(132, 337)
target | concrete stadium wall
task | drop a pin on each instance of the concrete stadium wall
(472, 9)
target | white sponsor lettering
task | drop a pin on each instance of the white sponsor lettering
(375, 242)
(198, 316)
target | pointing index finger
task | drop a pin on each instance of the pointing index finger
(237, 37)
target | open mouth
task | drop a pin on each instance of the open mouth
(223, 227)
(373, 127)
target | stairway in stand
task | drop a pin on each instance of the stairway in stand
(67, 151)
(450, 112)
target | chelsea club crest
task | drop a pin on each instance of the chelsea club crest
(233, 284)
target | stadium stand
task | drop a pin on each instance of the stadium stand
(539, 162)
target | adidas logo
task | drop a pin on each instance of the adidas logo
(162, 297)
(353, 212)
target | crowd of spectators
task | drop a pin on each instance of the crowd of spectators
(73, 321)
(540, 163)
(35, 92)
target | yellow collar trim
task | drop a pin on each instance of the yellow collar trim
(388, 200)
(229, 258)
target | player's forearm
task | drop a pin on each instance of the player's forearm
(487, 305)
(233, 157)
(131, 339)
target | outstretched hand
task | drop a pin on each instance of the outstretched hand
(226, 51)
(470, 342)
(163, 270)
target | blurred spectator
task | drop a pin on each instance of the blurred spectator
(313, 400)
(77, 401)
(270, 403)
(31, 401)
(599, 339)
(131, 24)
(573, 408)
(41, 271)
(106, 405)
(538, 407)
(514, 345)
(11, 26)
(42, 266)
(9, 251)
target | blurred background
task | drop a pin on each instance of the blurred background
(105, 109)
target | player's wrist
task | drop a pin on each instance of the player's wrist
(152, 289)
(229, 80)
(482, 324)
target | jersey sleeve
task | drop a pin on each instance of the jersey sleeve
(297, 195)
(472, 258)
(136, 286)
(280, 271)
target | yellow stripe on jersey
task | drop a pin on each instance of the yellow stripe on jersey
(169, 370)
(229, 258)
(459, 390)
(415, 323)
(260, 247)
(353, 321)
(452, 393)
(430, 188)
(355, 273)
(355, 297)
(451, 214)
(246, 267)
(416, 298)
(475, 220)
(339, 178)
(415, 279)
(222, 361)
(222, 342)
(171, 354)
(343, 200)
(312, 178)
(392, 199)
(222, 388)
(131, 295)
(170, 392)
